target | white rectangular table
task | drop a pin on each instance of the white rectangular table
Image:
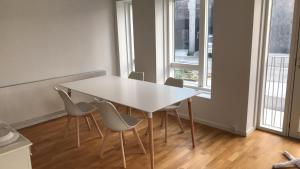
(141, 95)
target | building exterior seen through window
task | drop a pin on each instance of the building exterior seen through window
(188, 19)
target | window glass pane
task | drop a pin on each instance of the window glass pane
(125, 37)
(130, 40)
(281, 26)
(209, 42)
(186, 31)
(190, 77)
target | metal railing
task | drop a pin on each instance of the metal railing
(275, 91)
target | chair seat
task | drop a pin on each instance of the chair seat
(131, 121)
(171, 107)
(86, 107)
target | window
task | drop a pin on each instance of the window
(125, 37)
(191, 41)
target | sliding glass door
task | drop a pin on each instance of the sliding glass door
(276, 58)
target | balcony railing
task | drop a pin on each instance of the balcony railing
(275, 91)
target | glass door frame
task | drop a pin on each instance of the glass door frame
(295, 51)
(264, 48)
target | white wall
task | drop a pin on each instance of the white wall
(73, 36)
(232, 53)
(52, 38)
(144, 37)
(233, 28)
(28, 104)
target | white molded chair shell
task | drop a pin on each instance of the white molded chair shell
(112, 119)
(73, 109)
(176, 83)
(70, 107)
(136, 75)
(81, 109)
(172, 108)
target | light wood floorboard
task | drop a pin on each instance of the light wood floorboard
(215, 149)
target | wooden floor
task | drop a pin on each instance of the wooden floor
(215, 149)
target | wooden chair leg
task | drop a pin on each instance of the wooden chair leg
(67, 125)
(145, 115)
(139, 140)
(78, 134)
(179, 120)
(106, 135)
(87, 122)
(191, 121)
(96, 124)
(129, 111)
(122, 149)
(123, 137)
(162, 119)
(166, 127)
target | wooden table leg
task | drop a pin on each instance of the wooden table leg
(191, 121)
(78, 132)
(151, 144)
(166, 127)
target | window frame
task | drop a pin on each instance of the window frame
(130, 40)
(202, 65)
(125, 37)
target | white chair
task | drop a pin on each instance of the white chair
(136, 75)
(116, 122)
(79, 110)
(173, 108)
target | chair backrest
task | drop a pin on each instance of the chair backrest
(136, 75)
(174, 82)
(110, 116)
(70, 107)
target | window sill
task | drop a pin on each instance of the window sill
(204, 92)
(205, 95)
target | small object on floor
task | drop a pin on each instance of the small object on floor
(292, 161)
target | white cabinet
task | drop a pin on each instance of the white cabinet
(16, 155)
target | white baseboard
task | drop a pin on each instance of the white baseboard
(37, 120)
(251, 130)
(58, 114)
(219, 126)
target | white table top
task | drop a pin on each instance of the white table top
(145, 96)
